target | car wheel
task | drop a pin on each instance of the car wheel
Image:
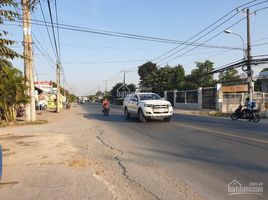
(126, 113)
(167, 119)
(141, 116)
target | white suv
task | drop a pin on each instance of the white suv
(146, 106)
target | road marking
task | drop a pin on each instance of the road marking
(224, 133)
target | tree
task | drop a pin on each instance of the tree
(229, 76)
(12, 81)
(7, 14)
(113, 91)
(198, 77)
(178, 77)
(166, 78)
(12, 93)
(145, 71)
(264, 70)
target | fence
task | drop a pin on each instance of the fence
(232, 100)
(212, 98)
(190, 96)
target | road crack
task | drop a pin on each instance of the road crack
(118, 159)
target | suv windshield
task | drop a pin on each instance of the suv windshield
(149, 97)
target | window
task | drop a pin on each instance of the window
(149, 97)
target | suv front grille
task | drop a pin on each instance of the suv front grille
(160, 106)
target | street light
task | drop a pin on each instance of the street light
(231, 32)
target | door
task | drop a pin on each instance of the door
(133, 104)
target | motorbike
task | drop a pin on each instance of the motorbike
(106, 111)
(253, 114)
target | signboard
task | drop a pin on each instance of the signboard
(235, 88)
(45, 86)
(122, 91)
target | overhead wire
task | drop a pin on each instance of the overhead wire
(57, 26)
(205, 41)
(215, 27)
(53, 30)
(125, 35)
(46, 25)
(198, 38)
(206, 28)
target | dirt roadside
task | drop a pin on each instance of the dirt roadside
(40, 162)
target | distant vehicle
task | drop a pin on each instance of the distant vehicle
(147, 106)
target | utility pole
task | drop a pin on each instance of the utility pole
(106, 83)
(58, 87)
(249, 69)
(124, 80)
(28, 60)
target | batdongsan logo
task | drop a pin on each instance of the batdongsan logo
(122, 91)
(235, 188)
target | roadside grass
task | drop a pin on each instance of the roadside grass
(20, 122)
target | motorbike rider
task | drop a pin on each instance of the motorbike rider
(106, 104)
(250, 105)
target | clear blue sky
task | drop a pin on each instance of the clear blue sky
(84, 54)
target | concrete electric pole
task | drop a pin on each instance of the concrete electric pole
(58, 86)
(106, 85)
(28, 60)
(249, 69)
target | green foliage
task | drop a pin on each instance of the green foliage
(264, 70)
(113, 91)
(196, 78)
(160, 79)
(6, 13)
(229, 76)
(257, 85)
(12, 89)
(145, 71)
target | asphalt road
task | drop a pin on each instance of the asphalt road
(206, 153)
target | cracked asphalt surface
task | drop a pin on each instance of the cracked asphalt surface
(204, 154)
(81, 154)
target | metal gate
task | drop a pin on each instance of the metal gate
(209, 96)
(170, 97)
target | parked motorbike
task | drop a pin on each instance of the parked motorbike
(253, 114)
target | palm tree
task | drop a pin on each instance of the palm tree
(12, 93)
(12, 85)
(7, 15)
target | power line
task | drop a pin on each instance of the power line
(57, 25)
(46, 53)
(211, 25)
(209, 31)
(53, 31)
(44, 20)
(261, 9)
(212, 37)
(105, 62)
(126, 35)
(199, 38)
(205, 41)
